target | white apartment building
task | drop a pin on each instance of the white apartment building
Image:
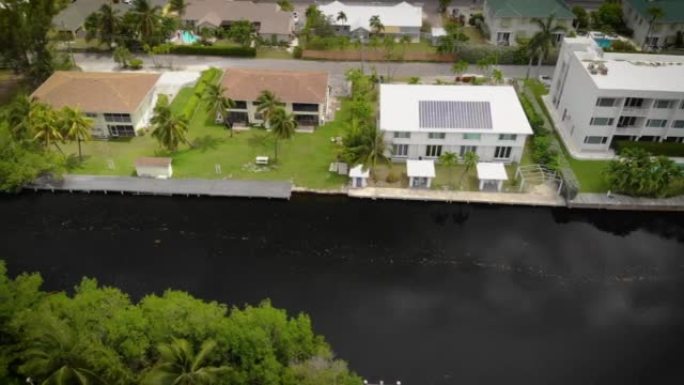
(425, 121)
(664, 30)
(599, 98)
(304, 94)
(509, 20)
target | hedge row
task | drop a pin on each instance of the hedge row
(536, 121)
(209, 76)
(213, 50)
(655, 148)
(503, 54)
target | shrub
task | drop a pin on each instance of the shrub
(135, 64)
(213, 51)
(621, 46)
(655, 148)
(392, 177)
(536, 121)
(475, 19)
(297, 52)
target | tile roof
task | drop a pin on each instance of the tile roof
(673, 9)
(96, 91)
(530, 8)
(288, 86)
(272, 20)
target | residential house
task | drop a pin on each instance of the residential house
(426, 121)
(118, 103)
(71, 19)
(400, 19)
(268, 20)
(599, 98)
(506, 21)
(304, 94)
(664, 30)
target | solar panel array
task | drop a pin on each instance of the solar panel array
(455, 114)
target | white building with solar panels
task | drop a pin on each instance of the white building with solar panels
(425, 121)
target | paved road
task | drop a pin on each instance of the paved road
(104, 62)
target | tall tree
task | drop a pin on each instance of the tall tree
(654, 13)
(17, 116)
(147, 20)
(45, 126)
(179, 365)
(217, 102)
(449, 160)
(75, 126)
(443, 5)
(178, 6)
(364, 144)
(341, 16)
(544, 39)
(285, 5)
(169, 130)
(376, 25)
(103, 25)
(581, 18)
(282, 126)
(470, 159)
(267, 104)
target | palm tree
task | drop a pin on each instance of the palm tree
(341, 16)
(103, 25)
(282, 126)
(45, 125)
(497, 76)
(170, 130)
(484, 65)
(364, 144)
(217, 102)
(179, 365)
(459, 67)
(267, 104)
(147, 19)
(449, 160)
(17, 116)
(544, 39)
(655, 13)
(414, 80)
(376, 25)
(56, 355)
(469, 160)
(177, 6)
(75, 126)
(532, 50)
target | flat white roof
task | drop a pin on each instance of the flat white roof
(358, 15)
(420, 168)
(358, 172)
(442, 108)
(491, 171)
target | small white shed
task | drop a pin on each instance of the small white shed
(491, 175)
(152, 167)
(420, 173)
(359, 176)
(436, 33)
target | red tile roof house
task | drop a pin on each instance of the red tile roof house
(305, 94)
(116, 102)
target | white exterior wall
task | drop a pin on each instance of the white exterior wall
(666, 32)
(518, 27)
(453, 142)
(252, 111)
(100, 129)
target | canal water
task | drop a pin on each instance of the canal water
(417, 292)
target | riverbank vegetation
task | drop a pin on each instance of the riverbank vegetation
(98, 335)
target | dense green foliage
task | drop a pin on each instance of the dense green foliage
(545, 149)
(636, 172)
(213, 50)
(581, 18)
(169, 129)
(209, 76)
(98, 333)
(655, 148)
(608, 18)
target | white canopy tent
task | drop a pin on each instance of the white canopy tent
(491, 175)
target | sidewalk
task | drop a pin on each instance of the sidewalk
(623, 202)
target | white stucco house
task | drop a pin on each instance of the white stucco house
(421, 122)
(508, 20)
(118, 103)
(398, 19)
(304, 94)
(599, 98)
(664, 30)
(153, 167)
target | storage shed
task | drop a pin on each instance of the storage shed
(154, 167)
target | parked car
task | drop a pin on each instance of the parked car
(546, 80)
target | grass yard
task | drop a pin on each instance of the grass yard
(273, 53)
(474, 35)
(304, 159)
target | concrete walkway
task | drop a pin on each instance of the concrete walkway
(524, 199)
(623, 202)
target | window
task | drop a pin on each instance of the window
(634, 102)
(240, 104)
(627, 121)
(557, 37)
(661, 103)
(502, 152)
(605, 102)
(595, 139)
(472, 136)
(508, 136)
(503, 38)
(659, 123)
(601, 121)
(124, 118)
(433, 151)
(304, 107)
(306, 120)
(90, 114)
(678, 124)
(465, 149)
(436, 135)
(121, 130)
(402, 135)
(400, 150)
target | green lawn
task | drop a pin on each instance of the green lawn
(304, 159)
(273, 53)
(474, 35)
(181, 99)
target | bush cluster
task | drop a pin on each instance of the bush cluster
(208, 77)
(472, 53)
(655, 148)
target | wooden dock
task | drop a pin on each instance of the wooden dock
(165, 187)
(623, 202)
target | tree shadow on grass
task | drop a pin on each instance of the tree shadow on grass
(73, 162)
(206, 142)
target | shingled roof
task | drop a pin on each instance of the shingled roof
(530, 8)
(96, 91)
(673, 10)
(271, 19)
(288, 86)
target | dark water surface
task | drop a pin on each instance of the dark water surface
(422, 293)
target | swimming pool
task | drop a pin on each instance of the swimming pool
(188, 37)
(603, 42)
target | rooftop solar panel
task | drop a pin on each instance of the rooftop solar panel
(455, 114)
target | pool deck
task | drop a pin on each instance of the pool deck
(165, 187)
